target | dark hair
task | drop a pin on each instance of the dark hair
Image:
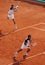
(29, 36)
(11, 7)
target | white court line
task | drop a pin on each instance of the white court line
(36, 55)
(31, 27)
(38, 29)
(43, 23)
(42, 53)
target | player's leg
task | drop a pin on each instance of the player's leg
(15, 55)
(22, 47)
(28, 50)
(8, 16)
(14, 23)
(17, 52)
(26, 54)
(12, 18)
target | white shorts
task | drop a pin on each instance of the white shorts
(25, 46)
(11, 16)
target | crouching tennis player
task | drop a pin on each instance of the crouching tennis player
(25, 45)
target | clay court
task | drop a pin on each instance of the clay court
(30, 19)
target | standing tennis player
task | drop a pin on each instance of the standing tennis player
(11, 14)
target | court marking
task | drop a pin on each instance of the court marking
(38, 29)
(32, 26)
(30, 57)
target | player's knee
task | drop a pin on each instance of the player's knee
(19, 50)
(28, 49)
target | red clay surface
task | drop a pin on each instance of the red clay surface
(27, 15)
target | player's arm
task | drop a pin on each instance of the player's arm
(31, 42)
(16, 8)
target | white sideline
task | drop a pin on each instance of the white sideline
(38, 29)
(42, 53)
(32, 26)
(35, 55)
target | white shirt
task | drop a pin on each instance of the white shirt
(10, 12)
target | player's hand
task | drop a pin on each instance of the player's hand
(34, 44)
(17, 7)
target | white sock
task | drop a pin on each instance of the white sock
(15, 54)
(26, 54)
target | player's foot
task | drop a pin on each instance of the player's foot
(15, 54)
(25, 55)
(15, 26)
(14, 59)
